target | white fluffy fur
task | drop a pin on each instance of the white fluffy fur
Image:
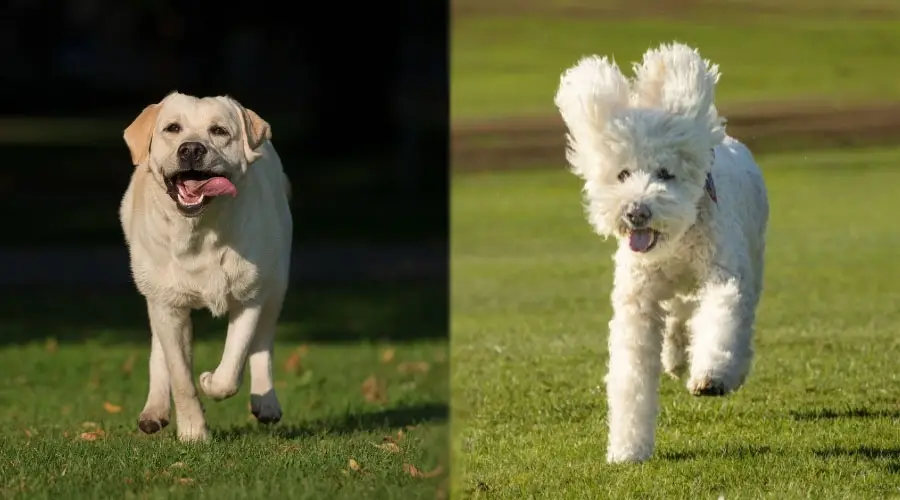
(691, 300)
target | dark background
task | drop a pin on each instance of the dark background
(357, 98)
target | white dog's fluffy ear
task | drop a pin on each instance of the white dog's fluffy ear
(675, 78)
(589, 96)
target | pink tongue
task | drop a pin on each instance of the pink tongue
(640, 240)
(216, 186)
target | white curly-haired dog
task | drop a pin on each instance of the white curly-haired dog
(689, 208)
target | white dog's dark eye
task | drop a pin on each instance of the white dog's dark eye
(173, 128)
(217, 130)
(664, 174)
(623, 175)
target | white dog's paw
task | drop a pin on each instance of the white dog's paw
(707, 386)
(265, 407)
(215, 389)
(628, 456)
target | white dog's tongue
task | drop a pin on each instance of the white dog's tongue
(216, 186)
(640, 240)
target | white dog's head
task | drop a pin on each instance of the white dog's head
(643, 147)
(196, 148)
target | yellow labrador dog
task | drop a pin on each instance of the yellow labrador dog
(208, 225)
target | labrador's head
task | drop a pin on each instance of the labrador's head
(196, 148)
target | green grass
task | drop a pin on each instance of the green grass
(510, 66)
(819, 417)
(53, 391)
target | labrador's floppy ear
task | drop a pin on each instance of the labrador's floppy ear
(256, 131)
(138, 134)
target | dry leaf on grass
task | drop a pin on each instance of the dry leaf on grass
(92, 435)
(413, 367)
(389, 446)
(374, 390)
(387, 355)
(52, 345)
(414, 472)
(394, 439)
(354, 465)
(128, 365)
(111, 408)
(293, 364)
(185, 481)
(27, 433)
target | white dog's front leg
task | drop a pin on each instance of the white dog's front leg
(226, 380)
(632, 385)
(722, 329)
(172, 327)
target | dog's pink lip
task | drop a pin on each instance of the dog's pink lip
(642, 240)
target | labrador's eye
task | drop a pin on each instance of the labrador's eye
(172, 128)
(218, 130)
(664, 175)
(623, 175)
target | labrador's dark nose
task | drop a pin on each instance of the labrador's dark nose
(638, 215)
(191, 151)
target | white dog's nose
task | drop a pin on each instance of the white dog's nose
(638, 214)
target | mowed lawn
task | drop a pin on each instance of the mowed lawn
(361, 372)
(509, 65)
(819, 416)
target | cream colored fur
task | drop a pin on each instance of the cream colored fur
(234, 258)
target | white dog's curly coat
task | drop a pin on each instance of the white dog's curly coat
(689, 207)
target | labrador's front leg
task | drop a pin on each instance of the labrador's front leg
(172, 327)
(225, 381)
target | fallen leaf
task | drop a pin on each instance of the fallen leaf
(394, 439)
(185, 481)
(390, 447)
(387, 355)
(51, 345)
(374, 391)
(354, 465)
(111, 408)
(128, 365)
(292, 365)
(413, 367)
(414, 472)
(92, 435)
(27, 433)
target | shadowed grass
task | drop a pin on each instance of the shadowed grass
(530, 304)
(91, 375)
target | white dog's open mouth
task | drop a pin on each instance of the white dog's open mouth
(193, 189)
(642, 240)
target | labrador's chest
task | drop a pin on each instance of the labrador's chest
(199, 272)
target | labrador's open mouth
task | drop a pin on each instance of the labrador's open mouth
(194, 189)
(642, 240)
